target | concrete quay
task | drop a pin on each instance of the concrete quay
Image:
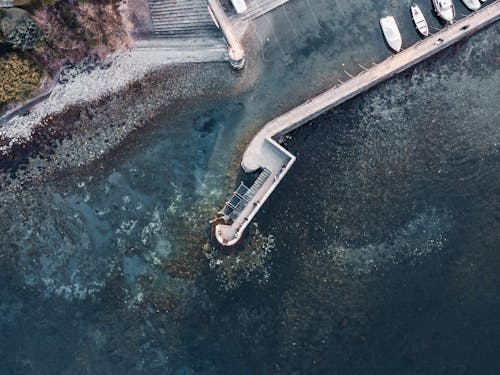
(265, 154)
(236, 52)
(182, 50)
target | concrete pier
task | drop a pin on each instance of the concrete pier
(235, 51)
(265, 154)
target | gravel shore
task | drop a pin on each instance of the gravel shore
(94, 111)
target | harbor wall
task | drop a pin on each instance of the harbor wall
(259, 156)
(368, 78)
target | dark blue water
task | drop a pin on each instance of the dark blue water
(378, 254)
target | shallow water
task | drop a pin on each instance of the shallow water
(381, 244)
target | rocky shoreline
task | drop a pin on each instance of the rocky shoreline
(82, 132)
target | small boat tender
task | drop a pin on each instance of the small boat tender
(391, 32)
(472, 4)
(239, 5)
(419, 20)
(445, 9)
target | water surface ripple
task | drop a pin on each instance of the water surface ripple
(378, 254)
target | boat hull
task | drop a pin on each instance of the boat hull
(391, 33)
(419, 20)
(446, 14)
(472, 4)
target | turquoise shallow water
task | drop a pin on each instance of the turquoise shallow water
(381, 244)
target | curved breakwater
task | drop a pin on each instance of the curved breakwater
(264, 153)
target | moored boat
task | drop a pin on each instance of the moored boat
(472, 4)
(445, 9)
(419, 20)
(391, 32)
(239, 5)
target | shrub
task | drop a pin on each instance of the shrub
(24, 36)
(24, 3)
(18, 29)
(19, 77)
(32, 5)
(74, 31)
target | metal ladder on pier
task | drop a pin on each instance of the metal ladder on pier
(259, 181)
(243, 195)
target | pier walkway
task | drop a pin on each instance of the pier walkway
(265, 154)
(236, 52)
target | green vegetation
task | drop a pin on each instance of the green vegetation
(18, 29)
(18, 78)
(25, 3)
(32, 5)
(38, 36)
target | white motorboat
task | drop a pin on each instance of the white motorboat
(472, 4)
(445, 9)
(391, 32)
(419, 20)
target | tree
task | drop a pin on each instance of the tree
(18, 78)
(18, 29)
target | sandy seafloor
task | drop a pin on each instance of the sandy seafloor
(378, 254)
